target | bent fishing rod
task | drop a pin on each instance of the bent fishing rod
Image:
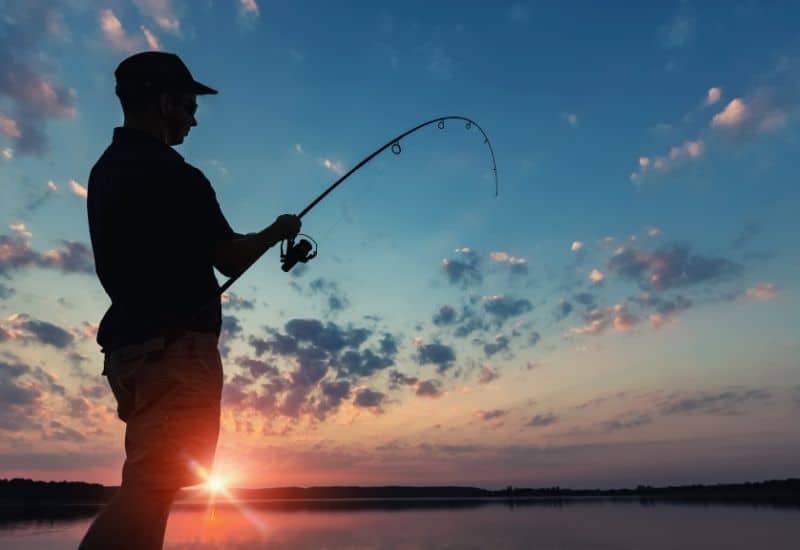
(303, 251)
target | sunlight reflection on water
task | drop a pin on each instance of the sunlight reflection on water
(578, 525)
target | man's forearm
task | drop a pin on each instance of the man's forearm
(233, 257)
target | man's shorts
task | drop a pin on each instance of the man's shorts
(170, 400)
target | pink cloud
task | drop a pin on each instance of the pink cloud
(763, 292)
(115, 33)
(78, 189)
(9, 127)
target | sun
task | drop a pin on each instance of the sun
(215, 484)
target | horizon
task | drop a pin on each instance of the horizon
(622, 311)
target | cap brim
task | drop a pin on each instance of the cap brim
(201, 89)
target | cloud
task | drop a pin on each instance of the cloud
(515, 264)
(763, 292)
(490, 415)
(16, 254)
(627, 421)
(445, 316)
(151, 39)
(499, 344)
(572, 119)
(162, 12)
(257, 368)
(676, 33)
(6, 292)
(541, 420)
(597, 320)
(562, 310)
(336, 300)
(334, 166)
(33, 95)
(576, 246)
(50, 190)
(762, 114)
(748, 233)
(369, 399)
(232, 301)
(398, 379)
(714, 94)
(429, 388)
(440, 64)
(437, 354)
(488, 374)
(77, 189)
(115, 34)
(677, 157)
(249, 8)
(464, 271)
(24, 329)
(7, 153)
(726, 403)
(596, 276)
(670, 267)
(503, 307)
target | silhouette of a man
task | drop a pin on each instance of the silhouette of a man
(157, 233)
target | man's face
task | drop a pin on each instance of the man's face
(179, 110)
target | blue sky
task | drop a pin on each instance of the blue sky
(625, 310)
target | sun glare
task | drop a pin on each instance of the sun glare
(215, 484)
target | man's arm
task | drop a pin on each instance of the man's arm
(232, 257)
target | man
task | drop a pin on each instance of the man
(157, 233)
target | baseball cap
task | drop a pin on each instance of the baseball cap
(158, 71)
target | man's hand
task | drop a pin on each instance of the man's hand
(286, 226)
(232, 257)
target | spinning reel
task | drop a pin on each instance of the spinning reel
(300, 252)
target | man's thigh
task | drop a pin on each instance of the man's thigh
(171, 404)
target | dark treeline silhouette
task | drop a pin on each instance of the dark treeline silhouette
(17, 490)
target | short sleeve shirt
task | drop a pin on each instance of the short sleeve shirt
(154, 220)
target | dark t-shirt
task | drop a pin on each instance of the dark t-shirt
(153, 220)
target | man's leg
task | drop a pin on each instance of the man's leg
(134, 519)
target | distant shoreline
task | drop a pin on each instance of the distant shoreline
(30, 493)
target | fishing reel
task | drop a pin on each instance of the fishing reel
(297, 252)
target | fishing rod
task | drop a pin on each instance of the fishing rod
(303, 251)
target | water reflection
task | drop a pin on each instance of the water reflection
(464, 524)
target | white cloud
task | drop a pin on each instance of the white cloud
(763, 292)
(249, 8)
(7, 152)
(334, 166)
(653, 231)
(77, 189)
(298, 148)
(115, 34)
(734, 114)
(9, 127)
(151, 39)
(21, 230)
(677, 156)
(596, 276)
(714, 95)
(51, 185)
(504, 257)
(572, 118)
(160, 11)
(576, 245)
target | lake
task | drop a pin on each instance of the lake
(605, 524)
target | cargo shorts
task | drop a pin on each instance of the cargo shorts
(169, 398)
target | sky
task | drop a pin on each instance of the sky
(625, 311)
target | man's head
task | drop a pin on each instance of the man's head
(157, 91)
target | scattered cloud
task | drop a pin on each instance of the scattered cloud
(726, 402)
(77, 189)
(515, 264)
(249, 8)
(542, 420)
(464, 270)
(745, 119)
(713, 95)
(151, 39)
(576, 246)
(429, 388)
(763, 292)
(503, 307)
(677, 33)
(22, 328)
(441, 355)
(572, 119)
(488, 374)
(596, 276)
(677, 157)
(670, 267)
(7, 153)
(16, 254)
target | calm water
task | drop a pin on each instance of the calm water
(606, 525)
